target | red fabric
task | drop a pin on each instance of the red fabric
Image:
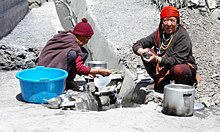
(81, 69)
(83, 29)
(157, 37)
(169, 11)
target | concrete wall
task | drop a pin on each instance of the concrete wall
(11, 12)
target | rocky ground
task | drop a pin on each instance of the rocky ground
(204, 32)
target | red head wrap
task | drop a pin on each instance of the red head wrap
(169, 11)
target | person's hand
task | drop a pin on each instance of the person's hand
(152, 58)
(104, 72)
(92, 75)
(141, 51)
(152, 55)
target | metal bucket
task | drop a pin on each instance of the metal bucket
(97, 64)
(178, 100)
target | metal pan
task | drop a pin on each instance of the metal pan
(97, 64)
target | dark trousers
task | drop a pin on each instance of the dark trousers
(71, 68)
(71, 64)
(183, 74)
(180, 74)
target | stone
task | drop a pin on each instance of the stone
(211, 4)
(206, 101)
(215, 15)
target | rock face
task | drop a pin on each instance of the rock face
(205, 7)
(13, 59)
(35, 3)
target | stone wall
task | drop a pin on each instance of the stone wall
(35, 3)
(206, 7)
(205, 4)
(11, 12)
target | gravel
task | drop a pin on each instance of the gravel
(204, 33)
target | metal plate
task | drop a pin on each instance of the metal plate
(198, 106)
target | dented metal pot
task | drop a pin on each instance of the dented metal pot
(178, 100)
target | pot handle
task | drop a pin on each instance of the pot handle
(187, 101)
(187, 94)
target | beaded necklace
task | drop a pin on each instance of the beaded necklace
(165, 46)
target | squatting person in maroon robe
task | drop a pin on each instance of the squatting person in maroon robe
(65, 50)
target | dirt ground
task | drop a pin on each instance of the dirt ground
(17, 115)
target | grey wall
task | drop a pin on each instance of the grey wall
(11, 12)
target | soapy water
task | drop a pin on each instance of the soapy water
(119, 102)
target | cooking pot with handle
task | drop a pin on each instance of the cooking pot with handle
(97, 64)
(178, 100)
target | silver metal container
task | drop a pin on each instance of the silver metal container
(146, 55)
(178, 100)
(141, 74)
(97, 64)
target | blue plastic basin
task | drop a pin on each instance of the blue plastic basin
(41, 83)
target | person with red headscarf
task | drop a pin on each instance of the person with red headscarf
(65, 51)
(169, 51)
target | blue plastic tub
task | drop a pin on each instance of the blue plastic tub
(40, 83)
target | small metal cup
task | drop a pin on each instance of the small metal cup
(146, 55)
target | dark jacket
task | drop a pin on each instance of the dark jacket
(179, 51)
(54, 54)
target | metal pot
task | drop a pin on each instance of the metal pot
(178, 100)
(97, 64)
